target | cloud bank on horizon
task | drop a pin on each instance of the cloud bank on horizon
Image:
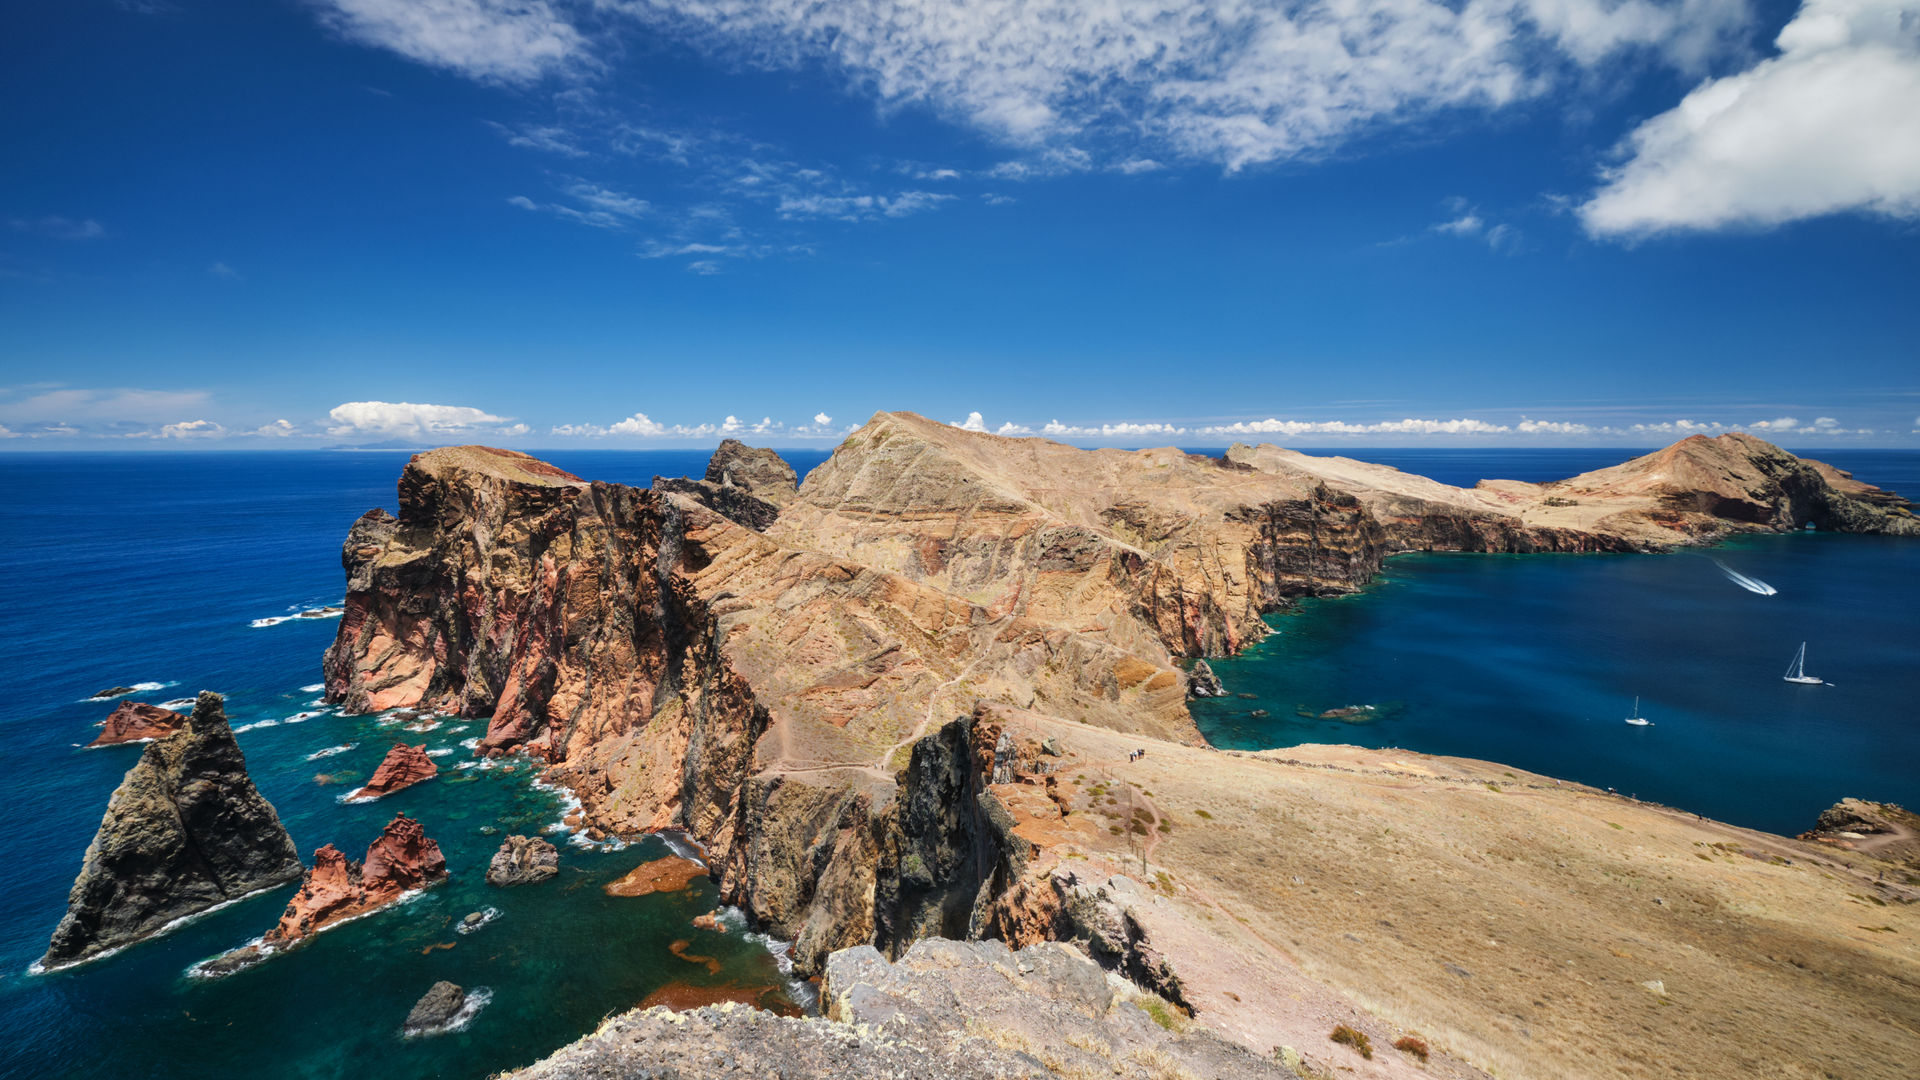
(61, 414)
(1829, 124)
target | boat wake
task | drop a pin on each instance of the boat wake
(1752, 585)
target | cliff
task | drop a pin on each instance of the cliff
(185, 830)
(825, 699)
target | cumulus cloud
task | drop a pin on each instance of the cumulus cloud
(406, 420)
(1122, 429)
(1831, 124)
(973, 422)
(499, 41)
(279, 429)
(192, 429)
(1219, 80)
(822, 419)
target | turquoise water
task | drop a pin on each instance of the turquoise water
(1535, 661)
(126, 569)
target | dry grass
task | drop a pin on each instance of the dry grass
(1409, 1045)
(1347, 1036)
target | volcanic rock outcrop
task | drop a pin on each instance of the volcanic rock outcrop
(403, 766)
(784, 690)
(185, 830)
(402, 858)
(946, 1010)
(523, 860)
(1882, 830)
(134, 721)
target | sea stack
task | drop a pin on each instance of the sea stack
(404, 766)
(402, 858)
(185, 830)
(135, 721)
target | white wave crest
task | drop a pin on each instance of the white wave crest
(330, 751)
(313, 688)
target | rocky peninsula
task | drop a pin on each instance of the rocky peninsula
(904, 706)
(184, 832)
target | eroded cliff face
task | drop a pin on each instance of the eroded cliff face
(783, 689)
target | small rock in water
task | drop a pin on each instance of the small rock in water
(489, 830)
(1252, 697)
(710, 921)
(523, 860)
(1259, 714)
(436, 1008)
(474, 918)
(114, 691)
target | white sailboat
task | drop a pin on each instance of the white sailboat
(1797, 671)
(1636, 719)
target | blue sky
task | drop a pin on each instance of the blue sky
(297, 223)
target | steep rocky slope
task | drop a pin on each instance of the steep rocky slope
(1044, 1011)
(137, 721)
(827, 699)
(185, 830)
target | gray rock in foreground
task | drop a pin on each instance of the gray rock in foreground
(948, 1010)
(436, 1008)
(185, 830)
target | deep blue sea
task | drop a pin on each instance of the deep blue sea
(152, 568)
(125, 569)
(1536, 660)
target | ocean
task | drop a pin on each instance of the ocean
(154, 569)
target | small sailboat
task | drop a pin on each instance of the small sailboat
(1797, 671)
(1636, 719)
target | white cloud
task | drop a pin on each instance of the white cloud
(600, 207)
(1832, 124)
(118, 406)
(1122, 429)
(1468, 223)
(549, 138)
(8, 433)
(973, 422)
(279, 429)
(859, 207)
(192, 429)
(505, 41)
(1408, 426)
(1011, 428)
(1554, 427)
(822, 420)
(1219, 80)
(406, 420)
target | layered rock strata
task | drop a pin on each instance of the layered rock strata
(783, 691)
(136, 721)
(185, 830)
(404, 766)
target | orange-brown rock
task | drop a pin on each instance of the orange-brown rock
(785, 695)
(401, 858)
(670, 874)
(136, 721)
(710, 921)
(403, 766)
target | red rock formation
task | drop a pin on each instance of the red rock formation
(404, 766)
(136, 720)
(670, 874)
(402, 858)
